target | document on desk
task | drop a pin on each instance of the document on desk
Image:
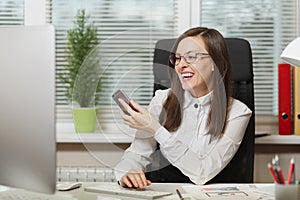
(231, 191)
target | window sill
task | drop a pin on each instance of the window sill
(93, 138)
(112, 134)
(279, 139)
(122, 138)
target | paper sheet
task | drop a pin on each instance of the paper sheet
(231, 191)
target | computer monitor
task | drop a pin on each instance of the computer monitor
(27, 106)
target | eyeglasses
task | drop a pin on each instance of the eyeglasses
(189, 57)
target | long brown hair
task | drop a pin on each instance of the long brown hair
(171, 114)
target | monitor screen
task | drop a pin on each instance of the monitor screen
(27, 104)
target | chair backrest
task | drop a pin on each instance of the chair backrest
(240, 168)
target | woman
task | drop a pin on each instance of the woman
(191, 131)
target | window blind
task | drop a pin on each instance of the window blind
(127, 32)
(269, 25)
(11, 12)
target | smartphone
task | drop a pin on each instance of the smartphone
(119, 94)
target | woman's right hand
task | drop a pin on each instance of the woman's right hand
(134, 179)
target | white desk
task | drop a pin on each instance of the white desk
(262, 192)
(258, 191)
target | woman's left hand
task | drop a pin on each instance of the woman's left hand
(140, 119)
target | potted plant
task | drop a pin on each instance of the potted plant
(82, 72)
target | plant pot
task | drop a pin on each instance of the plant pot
(84, 119)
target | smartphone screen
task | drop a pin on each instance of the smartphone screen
(119, 94)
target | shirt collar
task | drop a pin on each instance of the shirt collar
(190, 100)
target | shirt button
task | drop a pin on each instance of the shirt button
(195, 105)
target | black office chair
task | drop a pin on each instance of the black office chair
(240, 168)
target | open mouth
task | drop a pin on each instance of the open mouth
(187, 76)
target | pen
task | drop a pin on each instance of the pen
(275, 170)
(281, 178)
(294, 178)
(273, 173)
(278, 170)
(291, 171)
(179, 194)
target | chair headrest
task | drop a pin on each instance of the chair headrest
(160, 61)
(241, 59)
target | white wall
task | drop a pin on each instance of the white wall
(35, 12)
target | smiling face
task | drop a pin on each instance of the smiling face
(195, 77)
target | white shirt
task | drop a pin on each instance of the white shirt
(188, 148)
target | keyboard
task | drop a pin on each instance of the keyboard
(17, 194)
(128, 192)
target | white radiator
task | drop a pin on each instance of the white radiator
(85, 174)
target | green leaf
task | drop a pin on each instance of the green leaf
(83, 67)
